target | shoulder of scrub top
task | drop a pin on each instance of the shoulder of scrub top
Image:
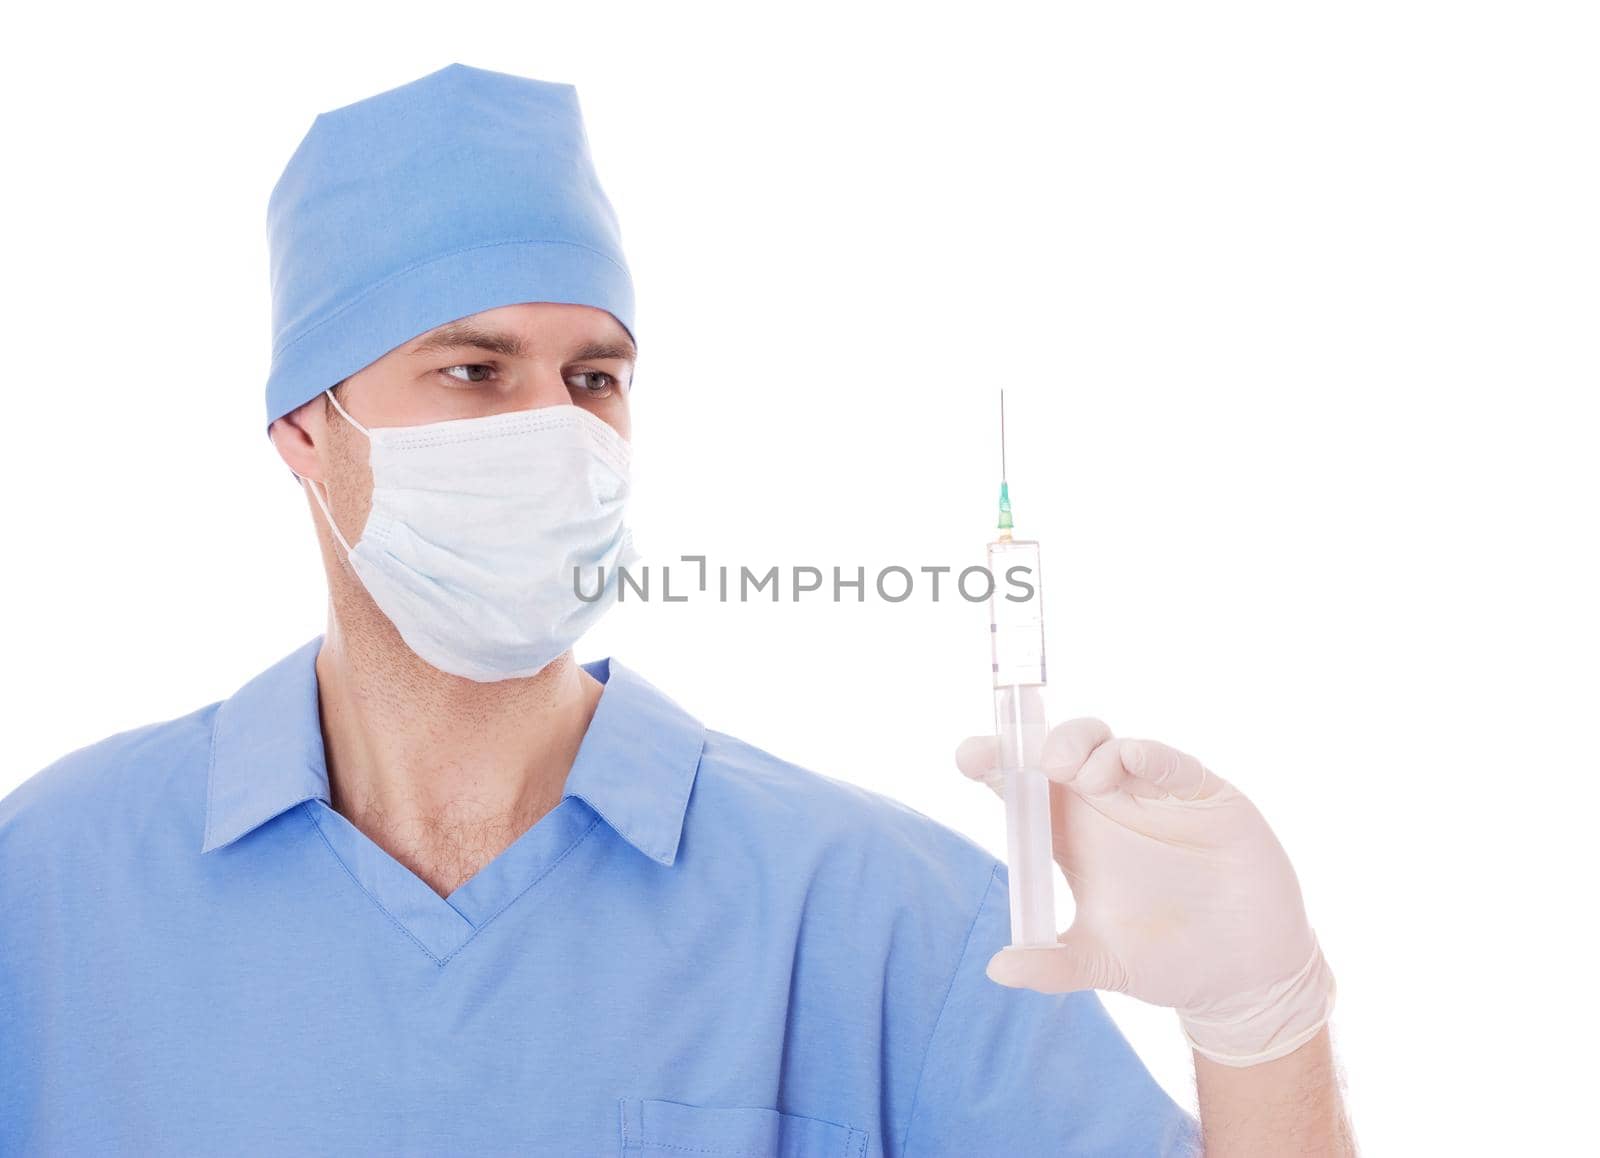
(112, 788)
(863, 850)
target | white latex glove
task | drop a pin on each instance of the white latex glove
(1184, 896)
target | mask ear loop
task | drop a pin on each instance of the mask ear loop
(332, 526)
(316, 494)
(346, 414)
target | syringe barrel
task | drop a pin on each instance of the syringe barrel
(1016, 628)
(1016, 613)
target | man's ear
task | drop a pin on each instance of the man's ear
(295, 435)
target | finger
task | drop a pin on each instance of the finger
(1173, 772)
(1102, 772)
(978, 757)
(1083, 753)
(1078, 961)
(1103, 778)
(1068, 745)
(1133, 786)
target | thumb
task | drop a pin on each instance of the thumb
(978, 757)
(1077, 961)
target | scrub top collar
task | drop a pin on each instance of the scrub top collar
(635, 766)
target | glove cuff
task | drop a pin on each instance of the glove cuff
(1272, 1022)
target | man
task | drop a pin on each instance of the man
(428, 886)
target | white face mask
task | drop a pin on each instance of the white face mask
(475, 530)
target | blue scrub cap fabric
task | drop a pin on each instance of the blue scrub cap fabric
(459, 192)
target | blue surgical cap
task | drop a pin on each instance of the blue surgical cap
(459, 192)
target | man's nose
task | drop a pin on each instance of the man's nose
(538, 387)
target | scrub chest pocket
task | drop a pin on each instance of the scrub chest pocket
(654, 1128)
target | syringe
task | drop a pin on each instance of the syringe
(1016, 626)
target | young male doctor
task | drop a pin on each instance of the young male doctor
(428, 886)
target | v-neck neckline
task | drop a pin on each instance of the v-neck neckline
(442, 926)
(632, 777)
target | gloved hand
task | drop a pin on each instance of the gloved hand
(1184, 896)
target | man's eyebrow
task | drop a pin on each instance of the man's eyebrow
(465, 335)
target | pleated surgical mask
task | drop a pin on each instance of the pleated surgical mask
(477, 527)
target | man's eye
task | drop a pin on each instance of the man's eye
(467, 366)
(600, 389)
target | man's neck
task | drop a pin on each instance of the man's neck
(441, 772)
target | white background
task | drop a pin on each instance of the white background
(1295, 310)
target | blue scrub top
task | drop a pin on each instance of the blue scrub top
(701, 950)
